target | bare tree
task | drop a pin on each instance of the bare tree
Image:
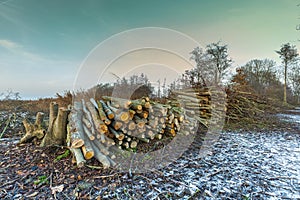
(219, 55)
(260, 74)
(211, 64)
(294, 77)
(201, 75)
(288, 54)
(9, 94)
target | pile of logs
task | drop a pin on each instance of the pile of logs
(97, 126)
(244, 104)
(206, 105)
(104, 127)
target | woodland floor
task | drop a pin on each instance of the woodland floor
(248, 161)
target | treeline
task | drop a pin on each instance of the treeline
(263, 76)
(276, 81)
(133, 87)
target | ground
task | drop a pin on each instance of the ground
(245, 163)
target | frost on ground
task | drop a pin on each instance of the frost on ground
(242, 165)
(293, 117)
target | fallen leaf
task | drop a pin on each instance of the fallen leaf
(57, 189)
(19, 172)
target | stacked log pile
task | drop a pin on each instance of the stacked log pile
(206, 105)
(97, 127)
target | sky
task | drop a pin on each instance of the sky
(53, 46)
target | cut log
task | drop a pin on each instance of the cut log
(171, 118)
(104, 160)
(86, 122)
(143, 114)
(122, 116)
(140, 122)
(131, 125)
(116, 125)
(88, 116)
(107, 110)
(101, 111)
(125, 145)
(149, 133)
(88, 133)
(101, 147)
(118, 135)
(76, 129)
(177, 125)
(170, 131)
(80, 161)
(124, 103)
(133, 144)
(147, 105)
(87, 151)
(158, 136)
(114, 108)
(99, 125)
(131, 114)
(153, 122)
(192, 93)
(136, 106)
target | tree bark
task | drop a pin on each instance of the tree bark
(285, 83)
(57, 129)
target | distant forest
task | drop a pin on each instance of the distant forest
(262, 76)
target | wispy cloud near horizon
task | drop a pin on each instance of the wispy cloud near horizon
(10, 45)
(20, 51)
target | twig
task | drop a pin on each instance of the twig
(94, 167)
(7, 123)
(105, 176)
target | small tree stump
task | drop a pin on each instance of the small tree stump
(35, 130)
(57, 130)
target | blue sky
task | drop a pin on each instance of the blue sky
(43, 43)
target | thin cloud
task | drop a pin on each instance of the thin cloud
(10, 45)
(19, 50)
(5, 2)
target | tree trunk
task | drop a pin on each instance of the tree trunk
(285, 84)
(57, 129)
